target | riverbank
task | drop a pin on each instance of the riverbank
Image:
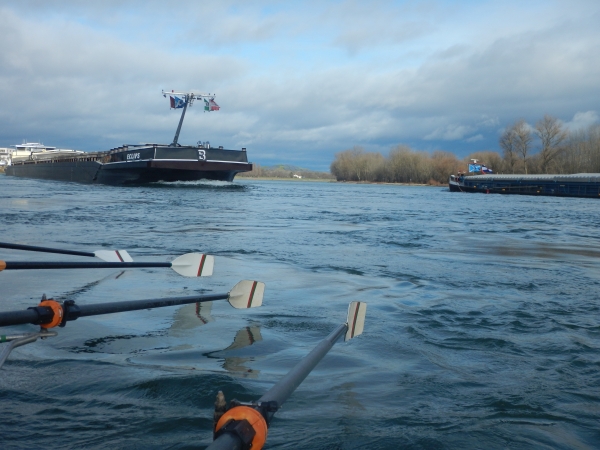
(299, 180)
(321, 180)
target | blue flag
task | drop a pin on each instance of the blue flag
(474, 167)
(177, 102)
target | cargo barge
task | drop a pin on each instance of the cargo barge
(585, 185)
(139, 164)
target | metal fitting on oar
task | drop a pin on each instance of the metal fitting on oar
(247, 424)
(220, 409)
(50, 313)
(70, 312)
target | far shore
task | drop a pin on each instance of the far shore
(320, 180)
(296, 180)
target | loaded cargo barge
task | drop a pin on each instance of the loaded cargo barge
(577, 185)
(138, 164)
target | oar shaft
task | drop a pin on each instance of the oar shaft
(21, 317)
(227, 441)
(134, 305)
(285, 387)
(44, 313)
(32, 248)
(80, 265)
(288, 384)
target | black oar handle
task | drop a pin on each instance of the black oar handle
(44, 249)
(79, 265)
(43, 314)
(34, 315)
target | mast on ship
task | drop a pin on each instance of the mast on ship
(182, 100)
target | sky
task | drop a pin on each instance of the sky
(297, 81)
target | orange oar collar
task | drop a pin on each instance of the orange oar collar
(254, 418)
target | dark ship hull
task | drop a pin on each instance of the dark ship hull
(585, 185)
(137, 164)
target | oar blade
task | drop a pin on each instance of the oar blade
(113, 255)
(194, 265)
(247, 294)
(356, 319)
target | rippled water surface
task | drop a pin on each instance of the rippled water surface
(482, 327)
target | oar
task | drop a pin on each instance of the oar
(188, 265)
(245, 425)
(104, 255)
(245, 294)
(50, 313)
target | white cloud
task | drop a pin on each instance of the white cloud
(296, 78)
(582, 120)
(476, 138)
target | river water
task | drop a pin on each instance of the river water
(482, 326)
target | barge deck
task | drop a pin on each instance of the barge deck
(585, 185)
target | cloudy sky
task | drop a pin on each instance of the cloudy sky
(297, 81)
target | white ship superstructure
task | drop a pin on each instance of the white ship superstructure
(32, 151)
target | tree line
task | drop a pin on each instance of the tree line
(547, 147)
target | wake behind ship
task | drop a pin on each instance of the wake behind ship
(139, 164)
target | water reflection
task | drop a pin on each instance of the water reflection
(184, 353)
(245, 337)
(189, 317)
(521, 248)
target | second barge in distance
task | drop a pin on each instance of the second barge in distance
(139, 164)
(576, 185)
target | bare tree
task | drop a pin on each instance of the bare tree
(443, 164)
(343, 165)
(522, 140)
(508, 143)
(551, 135)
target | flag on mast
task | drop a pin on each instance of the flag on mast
(213, 105)
(206, 105)
(176, 102)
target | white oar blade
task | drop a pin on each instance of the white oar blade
(247, 294)
(356, 319)
(194, 265)
(113, 255)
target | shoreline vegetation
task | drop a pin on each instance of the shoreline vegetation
(285, 172)
(547, 147)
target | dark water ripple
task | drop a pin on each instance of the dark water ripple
(482, 328)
